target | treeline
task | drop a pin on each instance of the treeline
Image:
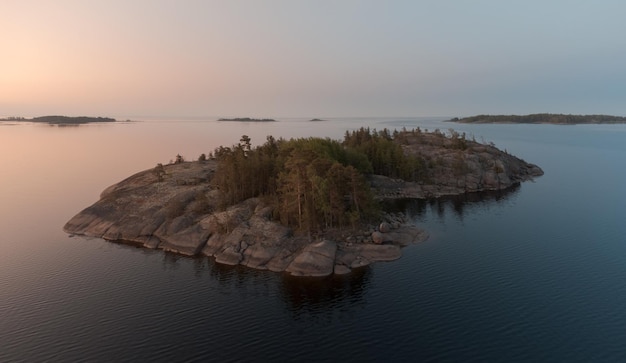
(60, 120)
(312, 183)
(384, 154)
(543, 118)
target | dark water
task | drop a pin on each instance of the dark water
(537, 273)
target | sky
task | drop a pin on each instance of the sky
(317, 58)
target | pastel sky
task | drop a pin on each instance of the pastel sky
(318, 58)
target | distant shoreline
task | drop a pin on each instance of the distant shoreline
(60, 120)
(541, 118)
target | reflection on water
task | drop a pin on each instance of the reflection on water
(459, 204)
(319, 295)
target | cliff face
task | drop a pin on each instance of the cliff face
(176, 209)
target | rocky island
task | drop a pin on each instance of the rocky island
(541, 118)
(304, 206)
(61, 120)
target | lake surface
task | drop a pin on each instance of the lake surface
(537, 273)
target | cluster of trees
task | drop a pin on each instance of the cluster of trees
(549, 118)
(312, 183)
(384, 154)
(71, 120)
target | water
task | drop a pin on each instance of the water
(536, 273)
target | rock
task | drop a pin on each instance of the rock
(346, 256)
(341, 270)
(359, 261)
(317, 259)
(380, 252)
(377, 237)
(384, 227)
(258, 256)
(229, 256)
(407, 235)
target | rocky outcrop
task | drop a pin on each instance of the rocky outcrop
(453, 165)
(175, 208)
(177, 212)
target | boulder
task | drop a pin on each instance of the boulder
(317, 259)
(384, 227)
(377, 237)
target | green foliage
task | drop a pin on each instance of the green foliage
(384, 154)
(313, 183)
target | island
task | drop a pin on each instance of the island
(541, 118)
(247, 119)
(307, 206)
(61, 120)
(316, 119)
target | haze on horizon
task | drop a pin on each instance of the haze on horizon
(167, 58)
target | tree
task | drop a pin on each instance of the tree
(245, 144)
(159, 171)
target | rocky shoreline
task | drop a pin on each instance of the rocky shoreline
(142, 211)
(177, 210)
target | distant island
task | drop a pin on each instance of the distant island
(307, 206)
(60, 120)
(316, 119)
(541, 118)
(247, 119)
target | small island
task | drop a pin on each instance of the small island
(247, 119)
(307, 206)
(541, 118)
(316, 119)
(60, 120)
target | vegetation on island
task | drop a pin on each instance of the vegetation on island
(247, 119)
(316, 183)
(61, 120)
(312, 183)
(543, 118)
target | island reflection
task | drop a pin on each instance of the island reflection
(459, 204)
(310, 297)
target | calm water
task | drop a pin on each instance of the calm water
(534, 274)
